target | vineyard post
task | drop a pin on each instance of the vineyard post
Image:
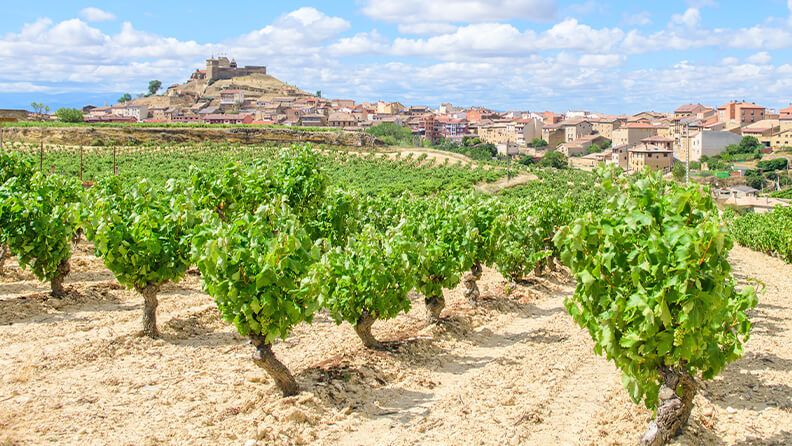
(1, 137)
(81, 163)
(115, 166)
(41, 156)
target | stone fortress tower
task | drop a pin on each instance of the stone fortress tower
(223, 68)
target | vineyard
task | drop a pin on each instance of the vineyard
(383, 301)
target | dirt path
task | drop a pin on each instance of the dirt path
(504, 183)
(514, 370)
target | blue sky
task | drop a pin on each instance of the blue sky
(609, 56)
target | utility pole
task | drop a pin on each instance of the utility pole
(687, 155)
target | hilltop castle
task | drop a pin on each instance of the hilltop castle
(222, 68)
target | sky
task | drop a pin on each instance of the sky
(531, 55)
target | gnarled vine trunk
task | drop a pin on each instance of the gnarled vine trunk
(469, 280)
(150, 304)
(434, 306)
(264, 358)
(5, 253)
(56, 283)
(363, 330)
(674, 407)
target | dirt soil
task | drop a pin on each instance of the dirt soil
(514, 370)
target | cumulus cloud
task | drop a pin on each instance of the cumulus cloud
(92, 14)
(426, 28)
(691, 18)
(413, 11)
(361, 43)
(760, 58)
(501, 39)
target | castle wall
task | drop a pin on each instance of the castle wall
(230, 73)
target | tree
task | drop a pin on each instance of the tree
(126, 97)
(679, 171)
(142, 233)
(40, 219)
(254, 268)
(656, 292)
(318, 93)
(153, 87)
(39, 109)
(69, 115)
(771, 165)
(391, 134)
(538, 142)
(554, 159)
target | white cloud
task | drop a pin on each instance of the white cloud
(416, 11)
(500, 39)
(361, 43)
(691, 18)
(426, 28)
(730, 61)
(761, 58)
(601, 60)
(302, 26)
(761, 37)
(92, 14)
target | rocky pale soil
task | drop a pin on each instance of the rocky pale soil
(514, 370)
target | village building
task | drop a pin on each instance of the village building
(575, 129)
(689, 111)
(642, 155)
(553, 134)
(632, 133)
(581, 145)
(341, 119)
(742, 113)
(605, 126)
(138, 112)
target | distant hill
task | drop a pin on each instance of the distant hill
(255, 86)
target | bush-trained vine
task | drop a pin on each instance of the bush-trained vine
(656, 293)
(39, 220)
(254, 268)
(483, 211)
(446, 240)
(770, 232)
(518, 239)
(367, 280)
(17, 168)
(142, 233)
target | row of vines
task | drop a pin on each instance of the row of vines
(276, 240)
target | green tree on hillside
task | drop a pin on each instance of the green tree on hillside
(678, 171)
(126, 97)
(391, 134)
(69, 115)
(554, 159)
(538, 142)
(154, 87)
(40, 109)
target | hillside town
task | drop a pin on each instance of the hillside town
(225, 93)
